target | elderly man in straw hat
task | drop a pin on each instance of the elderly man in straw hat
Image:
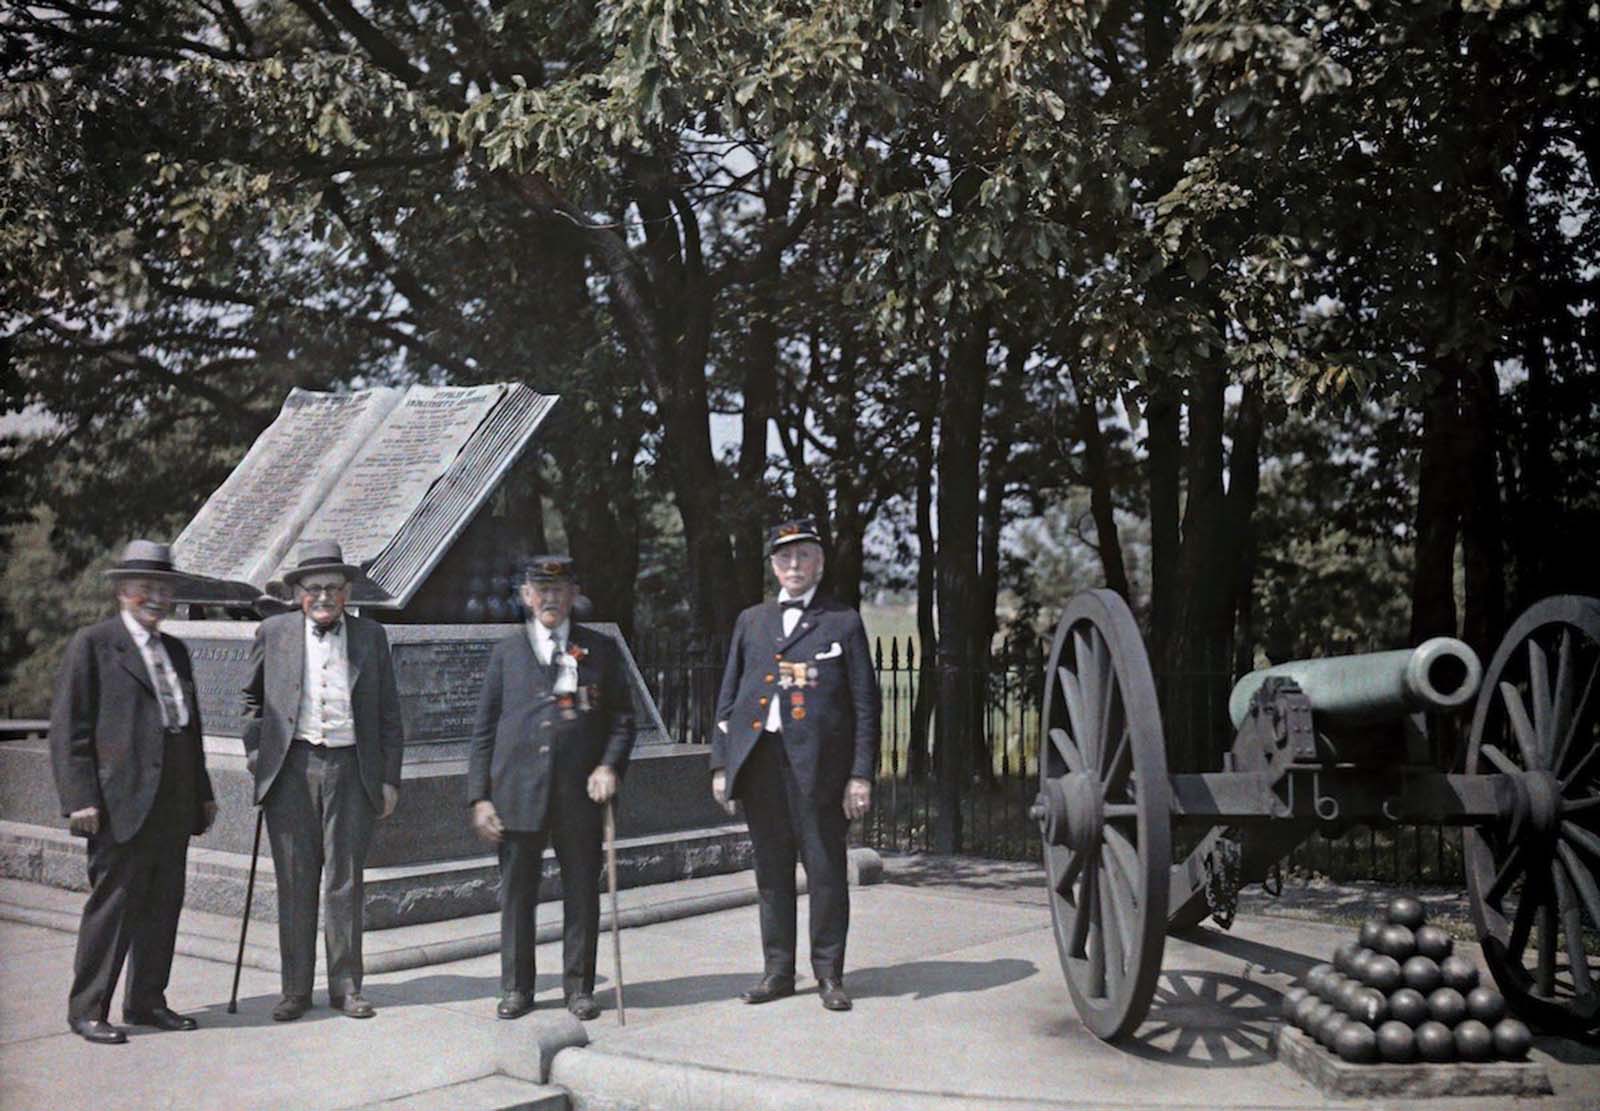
(131, 773)
(323, 738)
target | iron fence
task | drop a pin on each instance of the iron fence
(684, 679)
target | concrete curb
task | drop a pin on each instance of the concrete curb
(607, 1080)
(865, 867)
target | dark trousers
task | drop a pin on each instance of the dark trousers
(319, 821)
(574, 830)
(135, 897)
(785, 826)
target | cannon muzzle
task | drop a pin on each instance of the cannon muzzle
(1439, 674)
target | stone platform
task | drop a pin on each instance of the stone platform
(1418, 1080)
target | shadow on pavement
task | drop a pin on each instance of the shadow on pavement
(1268, 957)
(254, 1010)
(926, 979)
(434, 989)
(1208, 1020)
(683, 991)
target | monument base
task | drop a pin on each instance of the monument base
(1334, 1076)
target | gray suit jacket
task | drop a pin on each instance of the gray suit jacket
(106, 741)
(272, 700)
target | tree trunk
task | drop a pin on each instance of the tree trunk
(1482, 534)
(1244, 489)
(1433, 597)
(1097, 471)
(960, 598)
(924, 734)
(1164, 453)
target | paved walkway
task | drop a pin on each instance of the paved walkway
(960, 1003)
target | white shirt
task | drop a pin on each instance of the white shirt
(791, 618)
(159, 667)
(544, 642)
(325, 717)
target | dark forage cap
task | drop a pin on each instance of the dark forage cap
(144, 559)
(319, 557)
(792, 532)
(550, 569)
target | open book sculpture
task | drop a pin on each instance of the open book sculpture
(392, 474)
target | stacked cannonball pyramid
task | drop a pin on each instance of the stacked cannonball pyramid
(1399, 994)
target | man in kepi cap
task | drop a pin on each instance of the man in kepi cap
(551, 741)
(131, 773)
(797, 743)
(323, 737)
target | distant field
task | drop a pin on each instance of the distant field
(896, 621)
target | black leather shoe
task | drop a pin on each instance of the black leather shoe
(584, 1007)
(833, 995)
(515, 1004)
(770, 988)
(352, 1005)
(162, 1018)
(291, 1007)
(98, 1031)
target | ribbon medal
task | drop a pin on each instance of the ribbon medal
(797, 705)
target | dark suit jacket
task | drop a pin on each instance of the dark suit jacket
(524, 745)
(272, 700)
(106, 740)
(830, 724)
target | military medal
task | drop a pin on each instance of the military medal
(797, 705)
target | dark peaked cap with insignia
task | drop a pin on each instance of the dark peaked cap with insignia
(144, 559)
(792, 532)
(550, 569)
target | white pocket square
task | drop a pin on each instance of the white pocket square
(833, 650)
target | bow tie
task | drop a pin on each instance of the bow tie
(321, 631)
(792, 603)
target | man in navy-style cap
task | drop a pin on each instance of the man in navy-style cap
(797, 743)
(549, 746)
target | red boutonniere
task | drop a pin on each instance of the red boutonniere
(576, 651)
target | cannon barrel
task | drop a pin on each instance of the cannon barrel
(1438, 674)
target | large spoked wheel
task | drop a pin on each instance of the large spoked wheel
(1531, 876)
(1104, 813)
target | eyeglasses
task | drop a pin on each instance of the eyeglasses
(325, 591)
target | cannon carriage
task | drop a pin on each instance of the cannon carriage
(1323, 745)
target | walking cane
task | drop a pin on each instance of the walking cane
(616, 922)
(244, 924)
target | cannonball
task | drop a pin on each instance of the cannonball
(1433, 942)
(1314, 1018)
(1448, 1006)
(1397, 941)
(1512, 1039)
(1330, 985)
(1328, 1029)
(1303, 1010)
(1421, 974)
(1356, 1042)
(1345, 955)
(1290, 998)
(1347, 993)
(1408, 1005)
(1316, 975)
(1459, 973)
(1383, 973)
(1397, 1042)
(1371, 1007)
(1406, 911)
(1435, 1042)
(1370, 929)
(1359, 962)
(1474, 1042)
(1486, 1005)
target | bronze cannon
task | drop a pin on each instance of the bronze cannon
(1321, 745)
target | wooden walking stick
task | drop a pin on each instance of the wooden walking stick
(616, 921)
(244, 924)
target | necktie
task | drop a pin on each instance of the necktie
(170, 713)
(320, 631)
(792, 603)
